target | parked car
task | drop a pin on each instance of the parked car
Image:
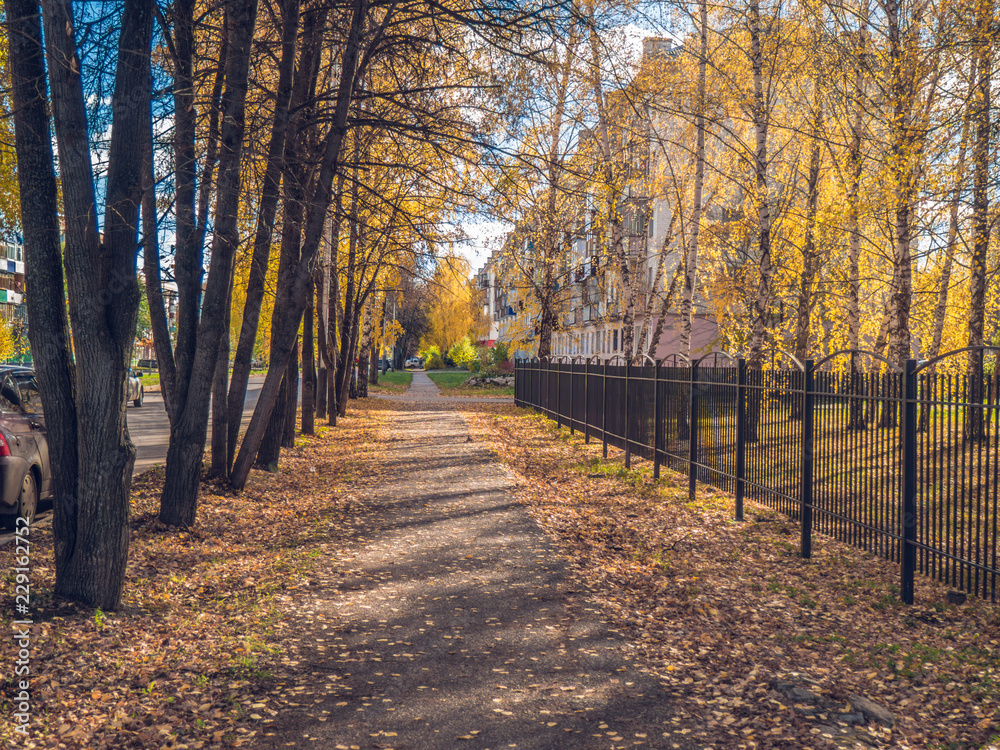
(25, 477)
(413, 362)
(133, 387)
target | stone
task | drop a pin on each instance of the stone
(795, 693)
(957, 597)
(872, 711)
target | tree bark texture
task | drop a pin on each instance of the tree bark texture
(309, 378)
(179, 502)
(691, 255)
(103, 299)
(43, 268)
(291, 299)
(974, 421)
(267, 211)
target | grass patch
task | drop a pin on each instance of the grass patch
(392, 382)
(453, 383)
(396, 378)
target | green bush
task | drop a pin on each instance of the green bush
(492, 371)
(499, 353)
(463, 353)
(476, 365)
(434, 362)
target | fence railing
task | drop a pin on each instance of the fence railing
(903, 463)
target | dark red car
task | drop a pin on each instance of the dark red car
(25, 477)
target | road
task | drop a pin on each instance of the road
(149, 429)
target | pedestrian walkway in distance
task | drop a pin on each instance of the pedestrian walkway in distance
(458, 625)
(423, 390)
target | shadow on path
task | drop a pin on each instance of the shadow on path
(457, 625)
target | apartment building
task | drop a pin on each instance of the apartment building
(588, 289)
(12, 307)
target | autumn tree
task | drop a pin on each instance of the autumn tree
(82, 380)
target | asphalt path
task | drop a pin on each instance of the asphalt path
(454, 622)
(149, 429)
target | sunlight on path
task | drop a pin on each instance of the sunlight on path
(458, 625)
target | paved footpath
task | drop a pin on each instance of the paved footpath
(456, 625)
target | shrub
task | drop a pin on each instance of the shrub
(499, 353)
(463, 353)
(492, 371)
(434, 362)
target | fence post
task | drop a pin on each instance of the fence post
(604, 411)
(559, 398)
(572, 405)
(586, 401)
(741, 447)
(657, 424)
(908, 433)
(543, 394)
(628, 444)
(806, 458)
(693, 444)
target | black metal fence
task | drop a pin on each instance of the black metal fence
(904, 463)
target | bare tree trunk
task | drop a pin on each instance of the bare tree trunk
(691, 254)
(220, 383)
(902, 146)
(856, 417)
(269, 451)
(762, 299)
(291, 298)
(92, 527)
(364, 354)
(308, 368)
(333, 313)
(664, 309)
(268, 206)
(974, 422)
(188, 428)
(348, 321)
(321, 307)
(43, 268)
(648, 311)
(619, 249)
(291, 398)
(550, 251)
(151, 271)
(188, 257)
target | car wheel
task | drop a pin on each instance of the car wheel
(27, 502)
(138, 401)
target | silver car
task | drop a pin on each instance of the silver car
(133, 387)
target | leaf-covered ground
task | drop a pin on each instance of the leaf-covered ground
(199, 655)
(727, 613)
(191, 659)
